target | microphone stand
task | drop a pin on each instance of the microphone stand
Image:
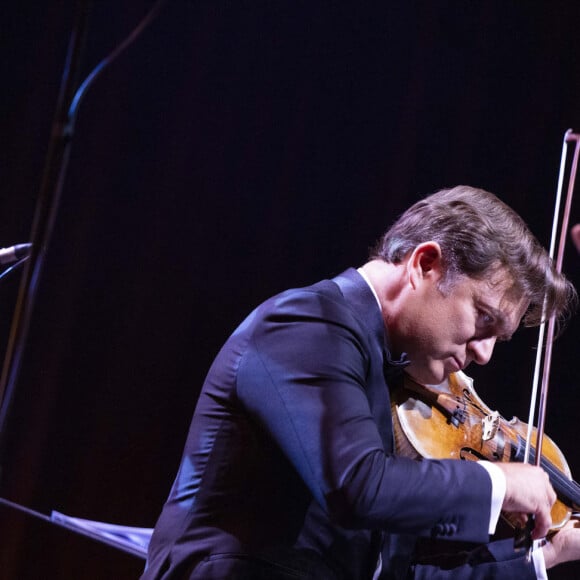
(129, 539)
(45, 214)
(69, 99)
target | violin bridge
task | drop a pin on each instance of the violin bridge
(489, 426)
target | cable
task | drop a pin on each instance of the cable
(137, 31)
(13, 267)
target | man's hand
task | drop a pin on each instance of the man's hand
(564, 545)
(528, 492)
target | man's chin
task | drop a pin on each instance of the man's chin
(426, 376)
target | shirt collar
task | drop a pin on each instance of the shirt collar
(366, 279)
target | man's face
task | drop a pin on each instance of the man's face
(443, 332)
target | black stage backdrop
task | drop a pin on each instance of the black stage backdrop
(237, 149)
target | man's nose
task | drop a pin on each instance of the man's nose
(482, 349)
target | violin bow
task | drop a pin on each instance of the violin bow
(569, 137)
(523, 536)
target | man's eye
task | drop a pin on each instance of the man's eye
(486, 319)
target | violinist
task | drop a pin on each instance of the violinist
(289, 468)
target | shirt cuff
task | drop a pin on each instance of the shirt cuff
(538, 560)
(498, 489)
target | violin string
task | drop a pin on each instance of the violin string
(567, 487)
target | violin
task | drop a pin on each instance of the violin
(450, 421)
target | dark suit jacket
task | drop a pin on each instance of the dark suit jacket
(288, 469)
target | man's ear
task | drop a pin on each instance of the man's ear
(425, 263)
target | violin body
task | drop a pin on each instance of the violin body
(450, 421)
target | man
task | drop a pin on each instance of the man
(289, 469)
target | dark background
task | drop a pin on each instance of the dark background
(237, 149)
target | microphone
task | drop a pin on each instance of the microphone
(14, 253)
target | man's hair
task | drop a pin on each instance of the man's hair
(478, 234)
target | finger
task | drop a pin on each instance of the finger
(542, 523)
(518, 520)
